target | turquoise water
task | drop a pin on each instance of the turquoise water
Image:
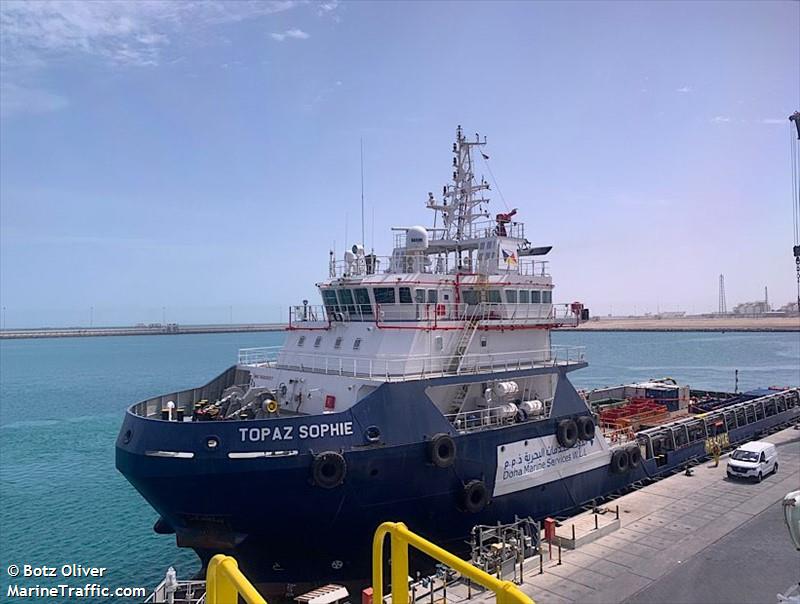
(62, 401)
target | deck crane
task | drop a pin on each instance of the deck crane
(794, 151)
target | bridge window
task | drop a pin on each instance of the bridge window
(469, 296)
(301, 340)
(433, 296)
(405, 295)
(547, 297)
(511, 296)
(524, 296)
(318, 341)
(362, 300)
(536, 296)
(357, 344)
(419, 296)
(494, 296)
(346, 300)
(329, 300)
(384, 295)
(338, 343)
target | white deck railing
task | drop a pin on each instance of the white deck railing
(432, 315)
(402, 367)
(258, 356)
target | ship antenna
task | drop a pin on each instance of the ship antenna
(363, 237)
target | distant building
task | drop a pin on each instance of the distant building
(789, 308)
(752, 308)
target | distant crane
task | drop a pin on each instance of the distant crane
(723, 308)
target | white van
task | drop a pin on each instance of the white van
(753, 460)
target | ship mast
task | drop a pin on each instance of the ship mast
(461, 199)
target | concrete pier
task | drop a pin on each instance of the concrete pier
(156, 330)
(695, 539)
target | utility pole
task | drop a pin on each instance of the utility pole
(794, 155)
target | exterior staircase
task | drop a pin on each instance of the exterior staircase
(463, 344)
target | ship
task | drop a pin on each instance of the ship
(424, 389)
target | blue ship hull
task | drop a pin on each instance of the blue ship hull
(283, 528)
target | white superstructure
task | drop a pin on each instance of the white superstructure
(469, 294)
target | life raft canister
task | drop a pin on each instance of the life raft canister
(585, 427)
(442, 450)
(567, 433)
(475, 496)
(328, 470)
(620, 462)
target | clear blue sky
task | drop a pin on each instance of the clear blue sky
(202, 156)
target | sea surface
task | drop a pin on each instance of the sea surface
(62, 402)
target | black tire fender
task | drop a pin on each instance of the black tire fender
(567, 433)
(442, 450)
(328, 470)
(586, 427)
(475, 496)
(620, 462)
(634, 457)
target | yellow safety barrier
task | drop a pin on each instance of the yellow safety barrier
(225, 583)
(400, 538)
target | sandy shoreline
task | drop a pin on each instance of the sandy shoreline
(690, 324)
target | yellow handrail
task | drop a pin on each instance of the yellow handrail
(225, 583)
(400, 539)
